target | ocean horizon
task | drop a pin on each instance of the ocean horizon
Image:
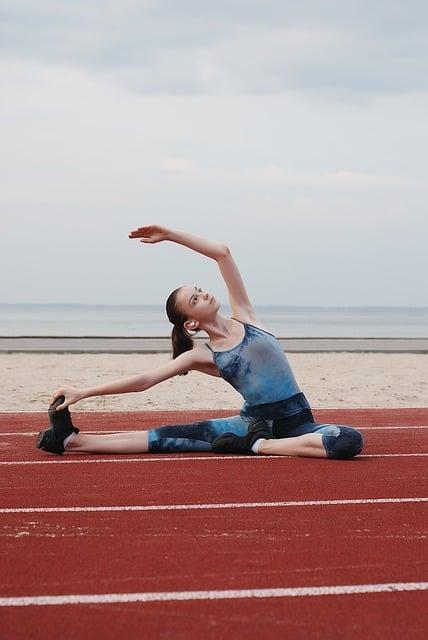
(150, 320)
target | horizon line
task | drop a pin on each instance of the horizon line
(152, 304)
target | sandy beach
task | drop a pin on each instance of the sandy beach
(329, 380)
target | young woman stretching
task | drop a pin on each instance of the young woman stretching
(275, 418)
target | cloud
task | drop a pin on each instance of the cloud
(280, 176)
(348, 50)
(180, 165)
(295, 131)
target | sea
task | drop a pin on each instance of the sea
(70, 320)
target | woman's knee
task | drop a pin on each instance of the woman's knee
(342, 442)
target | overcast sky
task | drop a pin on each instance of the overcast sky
(294, 132)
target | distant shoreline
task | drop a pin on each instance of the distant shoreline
(162, 344)
(149, 322)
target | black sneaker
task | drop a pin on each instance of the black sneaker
(61, 426)
(231, 443)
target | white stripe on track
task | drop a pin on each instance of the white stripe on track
(392, 455)
(107, 431)
(225, 505)
(166, 458)
(226, 594)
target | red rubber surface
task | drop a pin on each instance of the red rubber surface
(264, 547)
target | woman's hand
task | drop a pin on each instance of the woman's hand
(152, 233)
(71, 394)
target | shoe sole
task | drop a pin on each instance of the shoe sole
(40, 438)
(39, 443)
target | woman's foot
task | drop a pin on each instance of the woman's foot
(231, 443)
(52, 439)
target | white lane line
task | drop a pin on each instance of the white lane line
(99, 432)
(391, 455)
(166, 458)
(224, 505)
(225, 594)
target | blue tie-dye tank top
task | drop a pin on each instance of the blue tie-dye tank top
(258, 368)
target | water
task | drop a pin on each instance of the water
(151, 320)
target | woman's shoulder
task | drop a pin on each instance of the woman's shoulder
(203, 360)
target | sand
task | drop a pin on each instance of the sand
(329, 380)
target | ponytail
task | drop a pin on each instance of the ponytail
(181, 340)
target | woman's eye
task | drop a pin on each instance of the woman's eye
(195, 298)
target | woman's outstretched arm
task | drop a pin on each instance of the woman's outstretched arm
(133, 384)
(74, 394)
(155, 233)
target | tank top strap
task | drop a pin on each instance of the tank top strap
(212, 350)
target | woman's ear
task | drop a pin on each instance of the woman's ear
(191, 325)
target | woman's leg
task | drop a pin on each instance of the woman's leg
(306, 445)
(129, 442)
(316, 440)
(194, 436)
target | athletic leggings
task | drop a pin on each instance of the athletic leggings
(340, 441)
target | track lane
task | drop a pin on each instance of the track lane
(377, 616)
(107, 552)
(194, 481)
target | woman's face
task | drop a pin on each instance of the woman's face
(197, 304)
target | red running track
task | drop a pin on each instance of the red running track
(244, 547)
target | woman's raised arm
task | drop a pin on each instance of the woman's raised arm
(154, 233)
(238, 297)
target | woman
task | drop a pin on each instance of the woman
(275, 418)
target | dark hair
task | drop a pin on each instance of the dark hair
(181, 340)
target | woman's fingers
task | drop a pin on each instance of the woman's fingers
(57, 394)
(136, 235)
(144, 231)
(64, 404)
(71, 395)
(151, 234)
(151, 239)
(139, 231)
(54, 396)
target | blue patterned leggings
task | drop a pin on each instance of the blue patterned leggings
(340, 441)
